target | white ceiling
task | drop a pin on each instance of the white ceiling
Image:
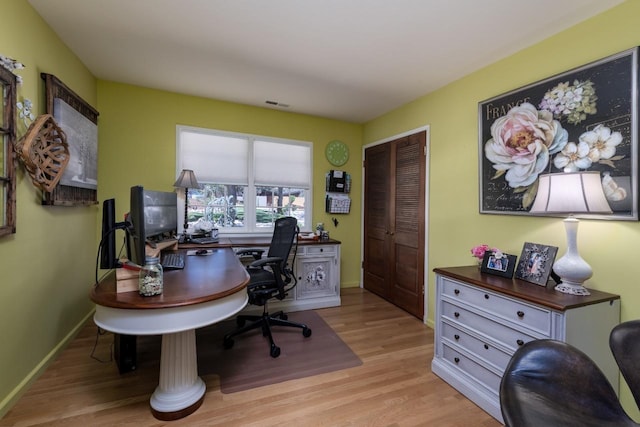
(345, 59)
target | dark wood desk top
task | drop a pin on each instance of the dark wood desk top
(545, 296)
(236, 242)
(204, 278)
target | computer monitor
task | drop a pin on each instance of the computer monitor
(108, 256)
(154, 218)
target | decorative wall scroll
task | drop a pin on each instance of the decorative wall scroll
(583, 119)
(78, 120)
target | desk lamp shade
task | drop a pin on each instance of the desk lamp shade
(571, 193)
(186, 180)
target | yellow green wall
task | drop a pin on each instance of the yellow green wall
(611, 247)
(138, 147)
(47, 267)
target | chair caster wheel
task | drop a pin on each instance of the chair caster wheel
(306, 332)
(240, 322)
(228, 343)
(284, 316)
(275, 351)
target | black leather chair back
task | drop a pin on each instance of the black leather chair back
(624, 342)
(551, 383)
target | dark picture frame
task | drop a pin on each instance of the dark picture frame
(499, 264)
(83, 192)
(536, 262)
(580, 111)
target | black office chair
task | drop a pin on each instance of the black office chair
(270, 277)
(551, 383)
(624, 342)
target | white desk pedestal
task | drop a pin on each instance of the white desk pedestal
(180, 391)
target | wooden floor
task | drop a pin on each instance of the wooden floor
(393, 387)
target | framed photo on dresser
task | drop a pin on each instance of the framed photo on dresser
(498, 263)
(535, 263)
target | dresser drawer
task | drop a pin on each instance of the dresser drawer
(488, 379)
(508, 337)
(483, 349)
(320, 249)
(530, 316)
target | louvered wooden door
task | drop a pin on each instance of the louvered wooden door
(394, 229)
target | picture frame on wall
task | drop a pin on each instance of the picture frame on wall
(536, 262)
(582, 119)
(498, 263)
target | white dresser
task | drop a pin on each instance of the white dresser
(481, 320)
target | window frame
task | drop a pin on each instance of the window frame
(250, 208)
(8, 81)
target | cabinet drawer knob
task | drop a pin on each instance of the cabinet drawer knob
(457, 337)
(486, 347)
(457, 291)
(486, 296)
(456, 359)
(456, 314)
(321, 250)
(520, 314)
(520, 342)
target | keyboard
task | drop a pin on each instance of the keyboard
(204, 240)
(173, 261)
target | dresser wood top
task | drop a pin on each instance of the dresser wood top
(541, 295)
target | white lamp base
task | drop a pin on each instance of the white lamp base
(572, 269)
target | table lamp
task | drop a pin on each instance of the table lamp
(571, 193)
(186, 180)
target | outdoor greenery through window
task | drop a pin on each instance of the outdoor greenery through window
(246, 181)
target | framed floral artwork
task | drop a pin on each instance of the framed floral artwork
(536, 262)
(583, 119)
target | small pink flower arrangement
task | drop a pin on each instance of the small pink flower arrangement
(478, 251)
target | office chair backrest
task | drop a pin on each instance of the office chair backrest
(285, 233)
(551, 383)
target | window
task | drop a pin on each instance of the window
(247, 181)
(7, 163)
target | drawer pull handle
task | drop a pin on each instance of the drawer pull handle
(486, 296)
(486, 347)
(456, 359)
(456, 314)
(457, 337)
(520, 314)
(520, 342)
(457, 291)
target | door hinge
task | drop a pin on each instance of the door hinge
(425, 150)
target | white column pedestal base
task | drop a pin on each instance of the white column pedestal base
(180, 391)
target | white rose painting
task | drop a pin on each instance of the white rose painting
(584, 119)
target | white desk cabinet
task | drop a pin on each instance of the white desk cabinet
(482, 319)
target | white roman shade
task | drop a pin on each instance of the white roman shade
(283, 165)
(214, 158)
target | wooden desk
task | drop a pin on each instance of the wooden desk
(209, 289)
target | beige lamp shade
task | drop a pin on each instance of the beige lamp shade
(570, 193)
(187, 179)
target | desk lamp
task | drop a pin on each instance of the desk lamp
(186, 180)
(571, 193)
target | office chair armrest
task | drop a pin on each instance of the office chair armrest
(256, 253)
(270, 261)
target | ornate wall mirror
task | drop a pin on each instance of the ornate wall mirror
(7, 158)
